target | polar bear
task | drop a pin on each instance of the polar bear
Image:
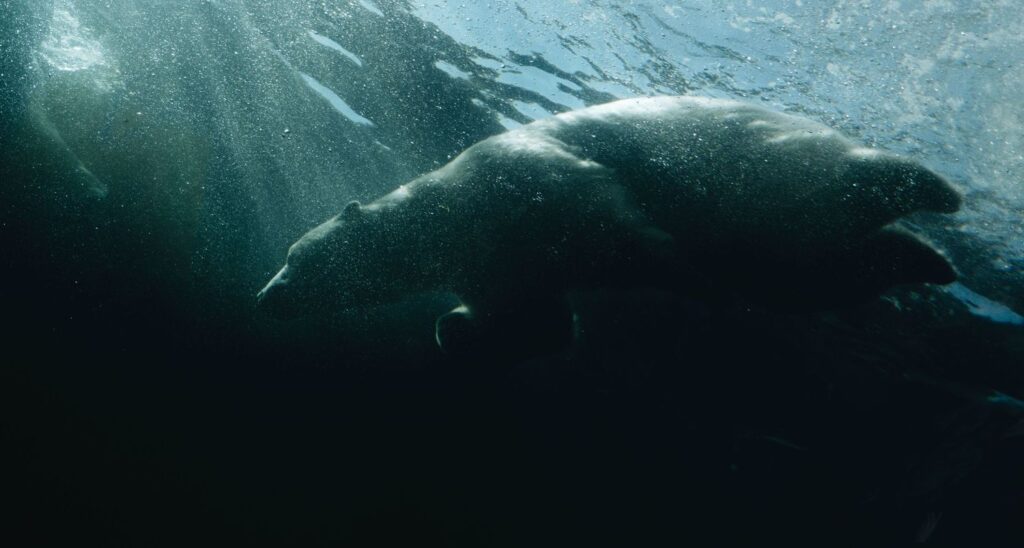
(701, 195)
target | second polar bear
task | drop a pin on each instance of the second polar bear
(693, 194)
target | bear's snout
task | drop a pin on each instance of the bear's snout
(274, 299)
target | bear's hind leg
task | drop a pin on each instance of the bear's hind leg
(508, 333)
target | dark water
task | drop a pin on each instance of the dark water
(156, 162)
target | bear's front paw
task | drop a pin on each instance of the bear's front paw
(509, 335)
(456, 332)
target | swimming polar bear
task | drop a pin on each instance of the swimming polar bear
(692, 194)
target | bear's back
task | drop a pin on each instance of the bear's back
(695, 164)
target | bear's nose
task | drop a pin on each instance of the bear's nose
(274, 301)
(261, 296)
(273, 298)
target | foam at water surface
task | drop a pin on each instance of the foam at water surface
(69, 46)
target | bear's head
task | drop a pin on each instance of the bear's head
(884, 187)
(333, 266)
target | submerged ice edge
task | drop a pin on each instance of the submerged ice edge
(335, 101)
(982, 306)
(552, 87)
(452, 70)
(371, 7)
(325, 41)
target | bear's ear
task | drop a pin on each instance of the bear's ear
(353, 210)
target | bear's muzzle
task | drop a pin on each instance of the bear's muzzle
(275, 300)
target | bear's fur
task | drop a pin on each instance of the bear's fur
(693, 194)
